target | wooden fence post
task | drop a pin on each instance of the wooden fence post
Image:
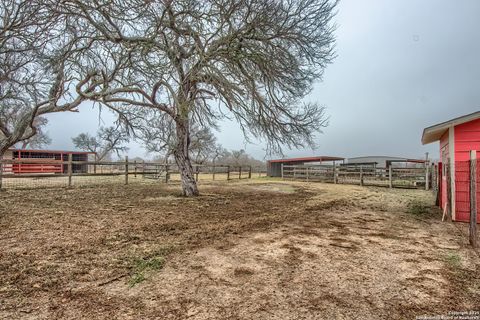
(196, 172)
(281, 169)
(214, 169)
(390, 182)
(249, 172)
(143, 169)
(239, 172)
(427, 178)
(361, 175)
(427, 182)
(335, 173)
(473, 198)
(135, 168)
(449, 209)
(126, 169)
(228, 172)
(69, 170)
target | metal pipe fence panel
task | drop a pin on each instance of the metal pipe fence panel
(400, 177)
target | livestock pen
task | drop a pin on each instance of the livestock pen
(393, 177)
(119, 172)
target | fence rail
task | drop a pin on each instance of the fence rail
(38, 173)
(391, 177)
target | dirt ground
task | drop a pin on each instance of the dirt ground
(250, 249)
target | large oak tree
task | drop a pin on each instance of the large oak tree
(197, 62)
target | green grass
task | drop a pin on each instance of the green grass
(142, 266)
(418, 208)
(453, 260)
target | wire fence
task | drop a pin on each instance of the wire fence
(462, 193)
(462, 189)
(57, 173)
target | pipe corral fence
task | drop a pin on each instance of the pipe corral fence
(393, 177)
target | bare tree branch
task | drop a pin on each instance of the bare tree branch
(196, 62)
(108, 140)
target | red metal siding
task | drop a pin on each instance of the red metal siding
(36, 165)
(44, 161)
(467, 137)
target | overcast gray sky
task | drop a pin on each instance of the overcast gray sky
(402, 65)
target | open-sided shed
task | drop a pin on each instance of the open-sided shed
(274, 167)
(44, 161)
(457, 137)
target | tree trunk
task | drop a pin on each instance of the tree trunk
(182, 159)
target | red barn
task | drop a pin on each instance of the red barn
(43, 161)
(457, 137)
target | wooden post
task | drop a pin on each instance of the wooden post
(143, 169)
(281, 169)
(167, 173)
(135, 168)
(361, 175)
(249, 172)
(126, 169)
(449, 207)
(427, 178)
(239, 172)
(228, 173)
(473, 198)
(427, 182)
(69, 170)
(214, 169)
(335, 173)
(390, 182)
(196, 172)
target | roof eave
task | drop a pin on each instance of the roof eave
(435, 132)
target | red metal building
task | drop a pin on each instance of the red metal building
(44, 161)
(457, 137)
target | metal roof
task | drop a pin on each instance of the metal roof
(380, 157)
(51, 151)
(307, 159)
(435, 132)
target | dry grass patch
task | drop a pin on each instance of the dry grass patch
(243, 250)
